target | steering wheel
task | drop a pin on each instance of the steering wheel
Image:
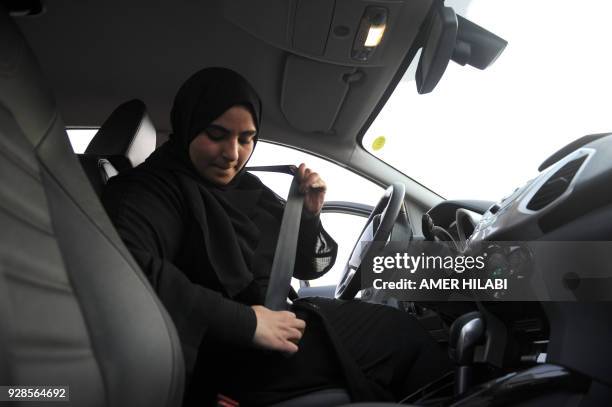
(378, 228)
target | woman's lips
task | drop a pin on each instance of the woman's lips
(223, 168)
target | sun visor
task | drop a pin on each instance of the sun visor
(313, 93)
(270, 20)
(311, 26)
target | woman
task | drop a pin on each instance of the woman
(204, 231)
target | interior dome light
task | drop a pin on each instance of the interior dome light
(375, 34)
(370, 33)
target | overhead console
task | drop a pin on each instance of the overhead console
(346, 32)
(329, 45)
(334, 44)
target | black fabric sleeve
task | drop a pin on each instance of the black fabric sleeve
(148, 216)
(316, 253)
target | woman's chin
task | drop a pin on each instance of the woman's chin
(219, 179)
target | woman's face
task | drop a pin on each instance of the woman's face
(221, 150)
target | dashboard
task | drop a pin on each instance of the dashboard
(569, 200)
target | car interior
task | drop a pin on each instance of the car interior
(75, 308)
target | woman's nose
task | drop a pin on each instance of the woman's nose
(230, 149)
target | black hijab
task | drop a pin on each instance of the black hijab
(206, 95)
(224, 213)
(203, 97)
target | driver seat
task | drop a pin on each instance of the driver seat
(75, 309)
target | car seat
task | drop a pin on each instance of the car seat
(123, 141)
(75, 309)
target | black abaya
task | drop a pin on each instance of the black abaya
(153, 210)
(208, 249)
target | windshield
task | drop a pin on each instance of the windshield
(480, 134)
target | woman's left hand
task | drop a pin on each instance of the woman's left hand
(313, 187)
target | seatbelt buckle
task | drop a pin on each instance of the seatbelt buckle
(224, 401)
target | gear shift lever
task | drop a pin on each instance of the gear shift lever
(465, 333)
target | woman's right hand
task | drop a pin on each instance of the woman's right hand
(277, 330)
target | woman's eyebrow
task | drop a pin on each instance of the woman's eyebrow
(225, 131)
(219, 128)
(248, 133)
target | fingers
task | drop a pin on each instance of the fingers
(304, 172)
(294, 323)
(293, 335)
(300, 324)
(314, 181)
(292, 330)
(310, 180)
(278, 330)
(300, 172)
(288, 347)
(289, 339)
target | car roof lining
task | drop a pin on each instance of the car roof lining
(97, 55)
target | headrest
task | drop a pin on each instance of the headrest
(128, 131)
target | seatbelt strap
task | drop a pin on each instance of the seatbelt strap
(286, 249)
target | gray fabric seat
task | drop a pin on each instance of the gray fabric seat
(74, 307)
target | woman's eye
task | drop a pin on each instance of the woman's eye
(215, 136)
(245, 140)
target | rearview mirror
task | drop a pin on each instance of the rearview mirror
(476, 46)
(438, 49)
(449, 36)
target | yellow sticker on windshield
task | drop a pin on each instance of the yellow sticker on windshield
(378, 143)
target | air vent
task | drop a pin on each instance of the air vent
(556, 185)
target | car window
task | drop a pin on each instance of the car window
(80, 138)
(342, 185)
(344, 228)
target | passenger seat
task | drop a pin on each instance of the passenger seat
(125, 140)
